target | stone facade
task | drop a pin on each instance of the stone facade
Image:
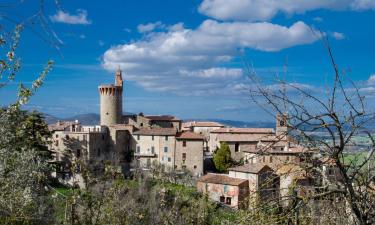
(189, 152)
(224, 189)
(111, 102)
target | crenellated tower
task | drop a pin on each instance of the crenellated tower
(111, 101)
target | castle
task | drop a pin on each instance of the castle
(141, 141)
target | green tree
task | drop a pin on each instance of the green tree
(222, 158)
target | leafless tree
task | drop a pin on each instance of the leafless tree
(338, 111)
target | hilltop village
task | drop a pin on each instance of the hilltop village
(269, 162)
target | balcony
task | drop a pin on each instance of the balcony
(145, 154)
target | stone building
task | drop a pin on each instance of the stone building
(189, 152)
(204, 128)
(155, 145)
(229, 191)
(239, 140)
(166, 146)
(263, 181)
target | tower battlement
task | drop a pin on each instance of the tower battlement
(110, 90)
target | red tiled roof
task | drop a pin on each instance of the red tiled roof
(156, 131)
(221, 179)
(61, 125)
(250, 168)
(244, 130)
(190, 136)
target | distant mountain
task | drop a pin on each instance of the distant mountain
(84, 119)
(93, 118)
(236, 123)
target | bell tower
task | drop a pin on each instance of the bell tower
(111, 101)
(282, 128)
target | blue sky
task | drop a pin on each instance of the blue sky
(186, 57)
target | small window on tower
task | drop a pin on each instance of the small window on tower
(183, 143)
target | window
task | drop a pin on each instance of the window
(148, 162)
(84, 137)
(152, 137)
(102, 136)
(138, 149)
(98, 152)
(141, 124)
(222, 199)
(166, 138)
(183, 156)
(330, 172)
(165, 149)
(78, 153)
(169, 159)
(264, 159)
(270, 159)
(183, 167)
(138, 137)
(67, 137)
(282, 148)
(195, 166)
(183, 143)
(228, 201)
(57, 143)
(152, 150)
(237, 147)
(57, 135)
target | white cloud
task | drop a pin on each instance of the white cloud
(144, 28)
(363, 4)
(213, 73)
(189, 61)
(264, 10)
(65, 17)
(338, 35)
(371, 80)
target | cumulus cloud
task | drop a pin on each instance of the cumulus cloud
(144, 28)
(264, 10)
(65, 17)
(213, 73)
(189, 61)
(338, 35)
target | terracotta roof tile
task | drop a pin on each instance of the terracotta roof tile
(190, 136)
(250, 168)
(61, 125)
(222, 179)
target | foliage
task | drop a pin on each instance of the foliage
(222, 158)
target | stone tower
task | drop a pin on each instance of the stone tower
(282, 128)
(111, 101)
